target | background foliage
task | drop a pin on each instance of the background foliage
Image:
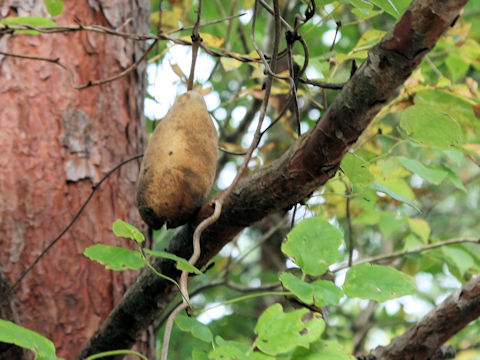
(412, 179)
(410, 182)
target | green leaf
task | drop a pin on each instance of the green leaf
(368, 217)
(222, 342)
(198, 354)
(454, 154)
(279, 332)
(431, 127)
(313, 244)
(430, 174)
(125, 230)
(412, 242)
(356, 170)
(12, 333)
(322, 350)
(362, 5)
(54, 7)
(114, 257)
(454, 179)
(227, 352)
(375, 282)
(370, 37)
(298, 287)
(195, 327)
(27, 20)
(459, 257)
(182, 264)
(392, 7)
(456, 64)
(235, 350)
(320, 292)
(378, 187)
(420, 227)
(458, 107)
(390, 222)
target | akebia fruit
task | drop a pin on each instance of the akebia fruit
(179, 164)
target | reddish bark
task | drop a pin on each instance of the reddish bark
(55, 143)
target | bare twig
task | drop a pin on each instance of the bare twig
(90, 83)
(8, 29)
(226, 18)
(323, 84)
(217, 283)
(279, 225)
(79, 212)
(350, 226)
(226, 151)
(396, 254)
(139, 37)
(196, 40)
(272, 12)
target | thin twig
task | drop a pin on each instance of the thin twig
(79, 212)
(101, 29)
(7, 29)
(217, 283)
(196, 40)
(41, 58)
(272, 12)
(350, 226)
(293, 87)
(90, 83)
(396, 254)
(214, 22)
(226, 151)
(323, 84)
(282, 223)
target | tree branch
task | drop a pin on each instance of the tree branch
(308, 164)
(427, 335)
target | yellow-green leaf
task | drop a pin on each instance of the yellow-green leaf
(431, 127)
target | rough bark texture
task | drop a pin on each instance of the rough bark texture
(55, 143)
(445, 320)
(309, 163)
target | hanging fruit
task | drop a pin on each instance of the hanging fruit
(179, 164)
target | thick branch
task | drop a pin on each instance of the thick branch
(445, 320)
(308, 164)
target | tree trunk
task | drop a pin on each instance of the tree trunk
(56, 142)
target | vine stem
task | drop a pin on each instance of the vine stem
(168, 328)
(219, 202)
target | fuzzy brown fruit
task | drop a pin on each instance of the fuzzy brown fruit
(179, 164)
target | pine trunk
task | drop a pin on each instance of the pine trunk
(56, 142)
